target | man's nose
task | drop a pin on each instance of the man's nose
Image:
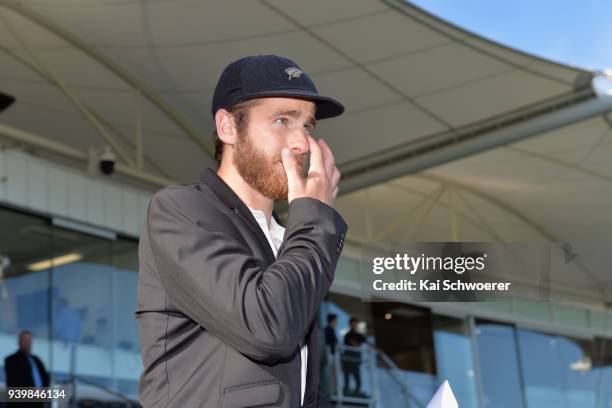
(298, 141)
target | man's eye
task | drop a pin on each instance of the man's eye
(282, 121)
(309, 128)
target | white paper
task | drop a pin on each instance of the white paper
(443, 398)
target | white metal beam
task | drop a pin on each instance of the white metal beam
(423, 216)
(452, 216)
(407, 215)
(482, 222)
(449, 146)
(70, 152)
(368, 214)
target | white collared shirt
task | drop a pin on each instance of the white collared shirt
(275, 236)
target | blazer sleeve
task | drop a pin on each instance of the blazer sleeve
(213, 278)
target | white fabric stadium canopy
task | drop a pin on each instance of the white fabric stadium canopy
(407, 78)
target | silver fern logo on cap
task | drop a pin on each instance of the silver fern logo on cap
(293, 72)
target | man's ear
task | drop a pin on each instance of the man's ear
(226, 128)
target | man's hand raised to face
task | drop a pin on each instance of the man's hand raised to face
(323, 175)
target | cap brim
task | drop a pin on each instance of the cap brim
(326, 107)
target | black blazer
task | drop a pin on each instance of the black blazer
(19, 371)
(220, 318)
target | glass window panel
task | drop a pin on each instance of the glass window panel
(346, 307)
(127, 353)
(564, 371)
(405, 333)
(602, 370)
(542, 369)
(82, 307)
(454, 358)
(499, 366)
(24, 293)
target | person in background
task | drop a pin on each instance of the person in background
(24, 369)
(328, 366)
(351, 359)
(330, 333)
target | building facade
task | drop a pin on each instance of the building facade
(72, 244)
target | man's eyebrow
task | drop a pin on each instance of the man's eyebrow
(294, 114)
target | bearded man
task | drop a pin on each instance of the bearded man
(227, 297)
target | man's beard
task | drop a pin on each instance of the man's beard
(264, 173)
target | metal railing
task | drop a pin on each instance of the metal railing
(74, 399)
(74, 379)
(365, 359)
(396, 374)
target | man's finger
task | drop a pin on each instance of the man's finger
(316, 157)
(335, 177)
(328, 157)
(294, 177)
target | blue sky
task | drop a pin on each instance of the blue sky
(573, 32)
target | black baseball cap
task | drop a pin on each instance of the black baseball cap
(269, 75)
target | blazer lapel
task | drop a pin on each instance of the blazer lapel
(231, 200)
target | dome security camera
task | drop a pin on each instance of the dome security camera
(107, 161)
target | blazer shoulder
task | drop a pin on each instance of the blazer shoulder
(190, 198)
(192, 203)
(11, 358)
